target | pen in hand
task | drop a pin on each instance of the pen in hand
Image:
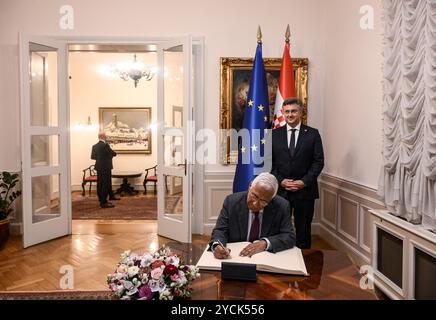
(227, 251)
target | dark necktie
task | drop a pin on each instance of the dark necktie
(254, 230)
(292, 143)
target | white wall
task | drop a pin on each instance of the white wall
(91, 89)
(9, 108)
(344, 61)
(352, 130)
(229, 28)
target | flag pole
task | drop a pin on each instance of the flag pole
(287, 34)
(259, 34)
(286, 87)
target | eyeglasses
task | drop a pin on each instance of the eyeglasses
(262, 202)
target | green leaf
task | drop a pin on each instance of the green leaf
(8, 182)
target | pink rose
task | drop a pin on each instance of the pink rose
(156, 273)
(174, 277)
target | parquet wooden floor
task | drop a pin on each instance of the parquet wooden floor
(93, 250)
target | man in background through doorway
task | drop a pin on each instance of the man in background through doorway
(103, 154)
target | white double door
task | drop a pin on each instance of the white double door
(45, 139)
(175, 139)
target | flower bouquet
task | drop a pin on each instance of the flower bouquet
(152, 276)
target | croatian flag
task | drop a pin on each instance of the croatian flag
(286, 87)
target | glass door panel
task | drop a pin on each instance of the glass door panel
(44, 128)
(174, 142)
(43, 85)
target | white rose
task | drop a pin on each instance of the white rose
(173, 260)
(120, 275)
(166, 295)
(133, 271)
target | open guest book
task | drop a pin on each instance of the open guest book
(287, 261)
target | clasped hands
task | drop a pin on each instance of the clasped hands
(292, 185)
(253, 248)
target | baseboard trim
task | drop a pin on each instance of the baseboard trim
(16, 228)
(337, 242)
(139, 187)
(316, 228)
(379, 284)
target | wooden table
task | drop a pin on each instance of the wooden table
(125, 187)
(332, 276)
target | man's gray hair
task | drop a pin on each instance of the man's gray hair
(102, 135)
(268, 180)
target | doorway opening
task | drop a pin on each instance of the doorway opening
(72, 129)
(104, 97)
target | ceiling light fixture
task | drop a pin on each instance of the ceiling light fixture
(134, 70)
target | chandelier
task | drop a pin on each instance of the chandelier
(133, 70)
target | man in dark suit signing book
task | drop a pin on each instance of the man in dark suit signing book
(103, 154)
(257, 216)
(297, 161)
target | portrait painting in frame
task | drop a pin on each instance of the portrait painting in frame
(235, 81)
(127, 129)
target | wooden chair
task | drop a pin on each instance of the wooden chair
(152, 177)
(89, 176)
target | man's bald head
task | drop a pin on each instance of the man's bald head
(102, 136)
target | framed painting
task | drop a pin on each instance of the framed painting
(127, 129)
(235, 80)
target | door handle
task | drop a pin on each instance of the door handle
(182, 164)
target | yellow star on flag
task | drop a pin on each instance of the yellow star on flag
(260, 107)
(265, 119)
(243, 149)
(265, 131)
(254, 147)
(263, 141)
(250, 103)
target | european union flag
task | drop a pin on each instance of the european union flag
(252, 140)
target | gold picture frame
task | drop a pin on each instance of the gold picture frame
(127, 129)
(235, 78)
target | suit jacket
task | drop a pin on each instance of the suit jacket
(306, 164)
(232, 223)
(102, 154)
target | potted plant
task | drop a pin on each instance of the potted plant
(8, 195)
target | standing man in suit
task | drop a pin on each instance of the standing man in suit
(257, 216)
(103, 154)
(297, 161)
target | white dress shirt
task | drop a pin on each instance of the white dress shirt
(290, 133)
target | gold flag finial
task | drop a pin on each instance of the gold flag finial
(259, 35)
(287, 34)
